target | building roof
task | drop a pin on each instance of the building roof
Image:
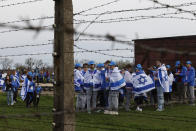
(171, 37)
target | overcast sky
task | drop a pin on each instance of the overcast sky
(127, 30)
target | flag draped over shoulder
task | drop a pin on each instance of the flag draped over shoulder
(17, 77)
(78, 80)
(142, 83)
(23, 92)
(116, 79)
(128, 79)
(163, 78)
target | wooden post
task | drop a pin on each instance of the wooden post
(63, 67)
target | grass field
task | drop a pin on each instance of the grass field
(174, 118)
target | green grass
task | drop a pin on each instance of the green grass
(175, 118)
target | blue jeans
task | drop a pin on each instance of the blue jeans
(10, 95)
(160, 98)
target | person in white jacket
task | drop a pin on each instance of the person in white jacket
(167, 94)
(116, 81)
(89, 84)
(78, 85)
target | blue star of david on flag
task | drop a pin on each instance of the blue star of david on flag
(142, 80)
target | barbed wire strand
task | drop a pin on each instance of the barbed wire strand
(96, 52)
(112, 38)
(19, 3)
(173, 7)
(31, 54)
(25, 20)
(18, 28)
(96, 7)
(21, 46)
(142, 9)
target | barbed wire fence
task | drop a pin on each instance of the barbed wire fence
(92, 37)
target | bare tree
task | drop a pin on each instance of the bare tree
(19, 66)
(45, 65)
(6, 63)
(39, 63)
(30, 63)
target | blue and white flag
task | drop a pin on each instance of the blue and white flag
(2, 84)
(116, 79)
(78, 79)
(24, 88)
(16, 81)
(17, 76)
(128, 79)
(142, 83)
(23, 77)
(4, 75)
(163, 78)
(171, 80)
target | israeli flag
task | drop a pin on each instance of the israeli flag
(17, 76)
(24, 89)
(17, 80)
(2, 85)
(128, 79)
(171, 80)
(163, 78)
(116, 79)
(142, 83)
(1, 82)
(23, 77)
(78, 79)
(4, 75)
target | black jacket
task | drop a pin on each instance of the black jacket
(8, 85)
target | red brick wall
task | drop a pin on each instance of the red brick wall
(148, 58)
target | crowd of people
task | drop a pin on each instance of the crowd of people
(105, 86)
(11, 81)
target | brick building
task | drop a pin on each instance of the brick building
(147, 51)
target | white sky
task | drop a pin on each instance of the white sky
(144, 28)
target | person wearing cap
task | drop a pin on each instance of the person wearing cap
(162, 83)
(30, 88)
(167, 95)
(37, 95)
(139, 98)
(129, 85)
(180, 79)
(101, 97)
(105, 84)
(89, 84)
(190, 83)
(78, 82)
(15, 84)
(97, 85)
(116, 81)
